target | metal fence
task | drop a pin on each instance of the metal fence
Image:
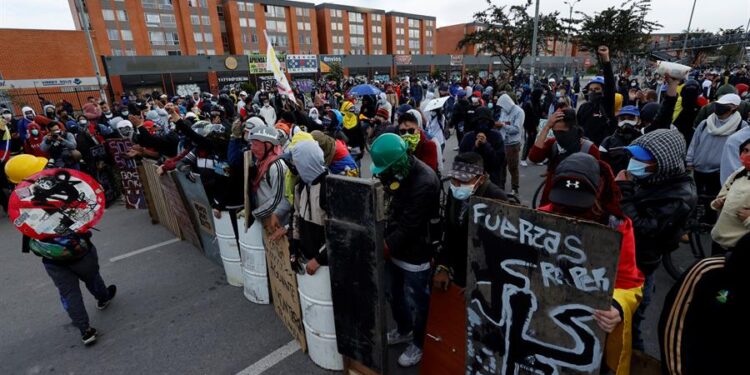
(77, 96)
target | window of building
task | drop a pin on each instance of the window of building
(274, 11)
(220, 12)
(298, 12)
(413, 23)
(126, 34)
(108, 14)
(173, 39)
(210, 52)
(198, 37)
(158, 52)
(129, 52)
(153, 18)
(243, 22)
(413, 34)
(355, 17)
(399, 19)
(122, 15)
(168, 20)
(356, 29)
(241, 6)
(113, 34)
(376, 17)
(174, 53)
(156, 38)
(148, 3)
(413, 44)
(206, 20)
(116, 52)
(195, 19)
(208, 37)
(399, 31)
(377, 29)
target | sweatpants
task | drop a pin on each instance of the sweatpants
(66, 277)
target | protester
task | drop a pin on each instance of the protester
(416, 140)
(612, 149)
(533, 113)
(658, 196)
(414, 188)
(60, 145)
(510, 122)
(485, 141)
(267, 180)
(732, 229)
(597, 116)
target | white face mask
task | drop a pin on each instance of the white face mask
(7, 116)
(627, 122)
(82, 122)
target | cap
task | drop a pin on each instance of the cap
(243, 93)
(639, 153)
(732, 99)
(576, 181)
(465, 172)
(597, 79)
(629, 110)
(403, 109)
(551, 80)
(649, 111)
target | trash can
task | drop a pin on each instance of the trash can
(317, 317)
(229, 249)
(253, 254)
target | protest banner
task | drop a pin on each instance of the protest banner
(354, 239)
(302, 63)
(533, 282)
(284, 287)
(130, 181)
(150, 202)
(197, 204)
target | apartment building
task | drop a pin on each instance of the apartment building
(449, 36)
(351, 31)
(154, 27)
(410, 34)
(291, 26)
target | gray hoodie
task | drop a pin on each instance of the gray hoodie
(512, 116)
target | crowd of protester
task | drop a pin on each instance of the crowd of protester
(637, 154)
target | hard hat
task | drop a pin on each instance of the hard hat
(386, 150)
(265, 134)
(24, 166)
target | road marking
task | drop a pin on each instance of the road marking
(272, 359)
(145, 249)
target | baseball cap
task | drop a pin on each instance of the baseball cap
(576, 181)
(639, 153)
(732, 99)
(467, 166)
(629, 110)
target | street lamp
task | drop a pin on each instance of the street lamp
(687, 32)
(571, 4)
(533, 44)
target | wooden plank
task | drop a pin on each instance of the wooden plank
(179, 211)
(165, 215)
(354, 239)
(197, 204)
(444, 350)
(352, 367)
(533, 281)
(283, 283)
(248, 163)
(147, 193)
(130, 181)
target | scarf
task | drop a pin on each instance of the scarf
(265, 164)
(722, 128)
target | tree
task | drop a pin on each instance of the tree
(731, 53)
(336, 73)
(624, 29)
(506, 33)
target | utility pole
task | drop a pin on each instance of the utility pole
(571, 4)
(687, 32)
(85, 24)
(533, 45)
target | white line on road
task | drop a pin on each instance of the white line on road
(272, 359)
(145, 249)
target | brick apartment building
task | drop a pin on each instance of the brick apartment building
(449, 36)
(410, 34)
(351, 30)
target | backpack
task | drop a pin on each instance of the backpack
(61, 248)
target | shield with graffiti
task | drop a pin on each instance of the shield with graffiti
(56, 202)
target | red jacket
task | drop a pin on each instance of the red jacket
(538, 155)
(33, 144)
(628, 275)
(427, 152)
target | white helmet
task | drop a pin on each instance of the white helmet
(265, 134)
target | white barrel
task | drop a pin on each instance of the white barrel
(254, 271)
(317, 317)
(229, 249)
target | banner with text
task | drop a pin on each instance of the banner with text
(302, 63)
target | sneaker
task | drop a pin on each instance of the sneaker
(89, 337)
(394, 337)
(515, 192)
(410, 357)
(524, 163)
(101, 305)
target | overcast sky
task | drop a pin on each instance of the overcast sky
(672, 14)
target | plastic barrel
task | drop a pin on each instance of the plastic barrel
(229, 249)
(254, 271)
(317, 317)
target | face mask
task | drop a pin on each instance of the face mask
(412, 140)
(50, 114)
(82, 122)
(490, 105)
(558, 94)
(745, 159)
(125, 113)
(721, 110)
(7, 116)
(568, 141)
(595, 96)
(475, 100)
(638, 169)
(126, 132)
(462, 192)
(314, 116)
(34, 132)
(627, 122)
(266, 104)
(108, 115)
(29, 116)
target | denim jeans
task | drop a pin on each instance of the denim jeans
(649, 286)
(66, 277)
(408, 293)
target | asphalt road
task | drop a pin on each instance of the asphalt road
(174, 312)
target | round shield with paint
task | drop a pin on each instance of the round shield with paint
(56, 202)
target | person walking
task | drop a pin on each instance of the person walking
(510, 121)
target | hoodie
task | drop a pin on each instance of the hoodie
(308, 231)
(512, 117)
(33, 143)
(708, 138)
(23, 123)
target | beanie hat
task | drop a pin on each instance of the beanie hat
(649, 111)
(91, 111)
(725, 89)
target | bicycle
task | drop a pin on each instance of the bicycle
(699, 235)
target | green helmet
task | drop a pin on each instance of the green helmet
(386, 150)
